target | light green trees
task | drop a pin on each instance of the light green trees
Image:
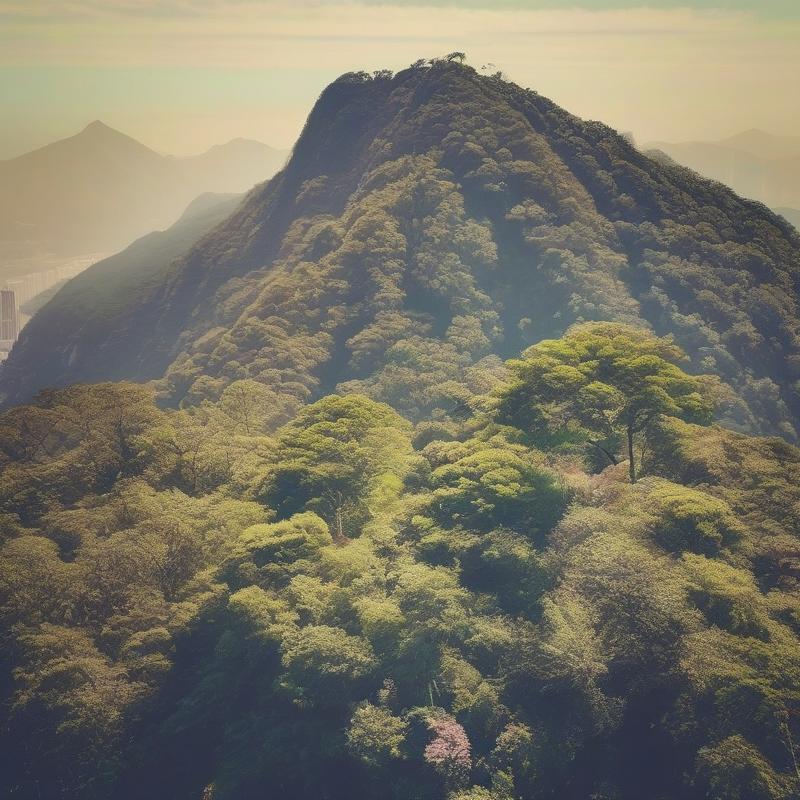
(688, 519)
(335, 458)
(489, 481)
(375, 734)
(273, 552)
(602, 381)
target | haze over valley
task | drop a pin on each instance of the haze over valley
(67, 205)
(754, 163)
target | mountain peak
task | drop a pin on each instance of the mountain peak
(238, 145)
(98, 129)
(440, 216)
(96, 125)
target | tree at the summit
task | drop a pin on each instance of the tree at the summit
(603, 383)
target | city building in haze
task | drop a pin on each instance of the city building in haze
(18, 290)
(9, 321)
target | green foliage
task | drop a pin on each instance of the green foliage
(734, 770)
(274, 552)
(599, 382)
(196, 601)
(727, 596)
(337, 457)
(483, 484)
(687, 519)
(375, 735)
(322, 661)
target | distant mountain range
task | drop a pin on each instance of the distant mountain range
(99, 190)
(791, 215)
(425, 222)
(754, 163)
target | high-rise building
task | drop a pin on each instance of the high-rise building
(17, 291)
(9, 319)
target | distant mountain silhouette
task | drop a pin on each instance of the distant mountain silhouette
(764, 145)
(790, 214)
(99, 190)
(754, 163)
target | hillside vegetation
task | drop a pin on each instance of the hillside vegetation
(430, 219)
(248, 598)
(435, 492)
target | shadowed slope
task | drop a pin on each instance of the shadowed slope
(88, 330)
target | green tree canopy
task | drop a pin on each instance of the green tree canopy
(601, 382)
(333, 456)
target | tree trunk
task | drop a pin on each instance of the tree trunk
(340, 538)
(631, 461)
(607, 453)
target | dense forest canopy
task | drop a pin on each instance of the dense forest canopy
(255, 598)
(446, 485)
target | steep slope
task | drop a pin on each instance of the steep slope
(100, 189)
(72, 338)
(432, 218)
(40, 300)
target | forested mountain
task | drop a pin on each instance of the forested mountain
(432, 218)
(99, 190)
(421, 502)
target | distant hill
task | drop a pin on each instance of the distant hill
(790, 214)
(427, 221)
(74, 335)
(754, 163)
(764, 145)
(99, 190)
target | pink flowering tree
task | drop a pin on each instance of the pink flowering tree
(449, 750)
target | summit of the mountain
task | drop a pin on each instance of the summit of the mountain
(436, 218)
(99, 128)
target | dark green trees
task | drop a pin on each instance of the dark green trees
(194, 604)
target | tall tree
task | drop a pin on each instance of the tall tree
(601, 382)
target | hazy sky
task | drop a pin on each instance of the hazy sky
(181, 75)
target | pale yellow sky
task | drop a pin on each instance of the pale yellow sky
(181, 75)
